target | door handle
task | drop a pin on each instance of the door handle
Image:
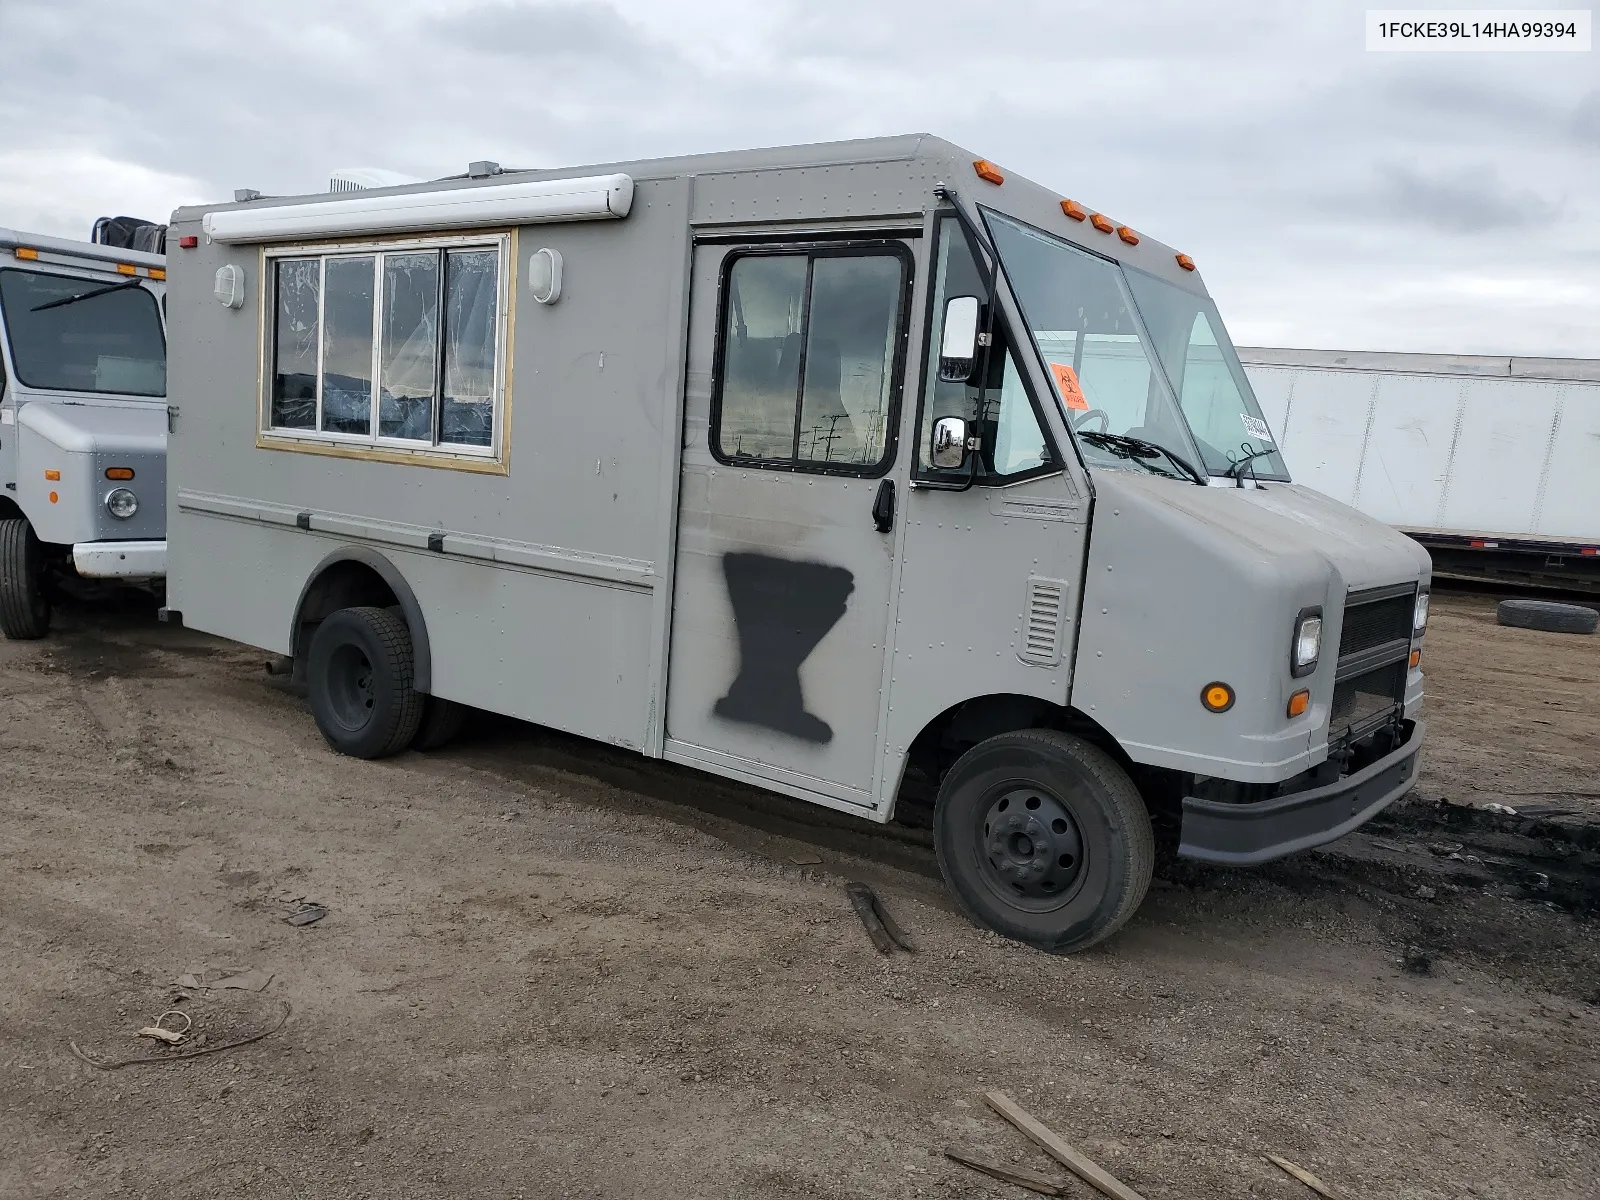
(883, 507)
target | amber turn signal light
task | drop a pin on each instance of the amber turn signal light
(1218, 697)
(1416, 658)
(1073, 209)
(988, 172)
(1127, 235)
(119, 472)
(1299, 702)
(53, 476)
(1185, 262)
(1103, 224)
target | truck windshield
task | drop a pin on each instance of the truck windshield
(1173, 381)
(110, 343)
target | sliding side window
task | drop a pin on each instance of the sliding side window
(810, 358)
(403, 347)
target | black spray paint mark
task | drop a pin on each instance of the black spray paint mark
(781, 609)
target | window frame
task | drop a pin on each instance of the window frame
(494, 456)
(934, 476)
(812, 250)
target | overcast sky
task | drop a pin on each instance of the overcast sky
(1332, 197)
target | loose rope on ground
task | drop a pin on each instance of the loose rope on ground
(168, 1058)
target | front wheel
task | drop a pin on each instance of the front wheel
(24, 603)
(1044, 838)
(360, 679)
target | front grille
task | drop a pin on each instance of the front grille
(1363, 702)
(1373, 622)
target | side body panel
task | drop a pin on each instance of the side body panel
(541, 594)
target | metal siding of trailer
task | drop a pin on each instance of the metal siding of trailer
(1448, 452)
(1499, 457)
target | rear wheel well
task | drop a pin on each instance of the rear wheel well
(352, 583)
(962, 726)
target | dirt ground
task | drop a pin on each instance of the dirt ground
(553, 970)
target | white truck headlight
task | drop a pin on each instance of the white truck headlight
(1307, 646)
(121, 503)
(1419, 618)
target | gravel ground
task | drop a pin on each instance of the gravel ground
(552, 970)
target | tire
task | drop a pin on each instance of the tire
(1077, 859)
(24, 602)
(441, 722)
(1547, 616)
(359, 678)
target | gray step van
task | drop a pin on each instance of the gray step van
(869, 473)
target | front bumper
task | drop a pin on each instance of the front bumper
(121, 560)
(1240, 834)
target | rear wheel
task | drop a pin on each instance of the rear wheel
(360, 680)
(441, 722)
(24, 603)
(1044, 838)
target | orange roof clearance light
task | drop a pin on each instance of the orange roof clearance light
(988, 172)
(1218, 697)
(1299, 702)
(1073, 209)
(27, 252)
(127, 269)
(158, 273)
(1103, 224)
(1127, 235)
(1185, 262)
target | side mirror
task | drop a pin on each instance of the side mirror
(958, 347)
(949, 449)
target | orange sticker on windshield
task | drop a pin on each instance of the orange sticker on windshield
(1067, 384)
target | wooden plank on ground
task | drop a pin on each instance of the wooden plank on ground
(1016, 1175)
(1304, 1176)
(1079, 1164)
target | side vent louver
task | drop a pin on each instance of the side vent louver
(1042, 618)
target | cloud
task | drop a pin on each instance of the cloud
(1464, 200)
(1307, 176)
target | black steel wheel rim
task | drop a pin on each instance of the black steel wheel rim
(1029, 847)
(352, 695)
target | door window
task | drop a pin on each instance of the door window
(810, 359)
(1013, 444)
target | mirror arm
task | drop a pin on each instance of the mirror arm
(986, 341)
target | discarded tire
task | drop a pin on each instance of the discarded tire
(1548, 616)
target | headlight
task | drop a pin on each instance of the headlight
(1419, 618)
(121, 503)
(1307, 647)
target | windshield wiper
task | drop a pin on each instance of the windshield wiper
(1236, 468)
(1137, 449)
(89, 295)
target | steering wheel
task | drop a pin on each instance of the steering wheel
(1083, 418)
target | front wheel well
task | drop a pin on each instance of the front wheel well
(960, 727)
(10, 510)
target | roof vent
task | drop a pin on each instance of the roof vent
(359, 179)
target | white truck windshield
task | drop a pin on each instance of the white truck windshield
(72, 334)
(1171, 379)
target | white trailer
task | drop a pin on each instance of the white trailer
(1492, 463)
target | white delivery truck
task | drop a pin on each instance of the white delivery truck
(83, 415)
(1492, 463)
(818, 468)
